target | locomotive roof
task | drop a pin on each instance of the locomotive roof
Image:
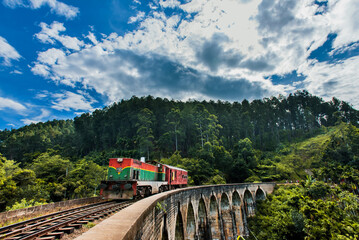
(155, 162)
(175, 168)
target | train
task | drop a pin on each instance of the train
(130, 178)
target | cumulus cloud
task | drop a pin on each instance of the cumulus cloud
(209, 49)
(51, 56)
(333, 79)
(11, 104)
(212, 54)
(169, 3)
(67, 101)
(57, 7)
(122, 73)
(343, 18)
(92, 38)
(51, 34)
(140, 15)
(44, 59)
(8, 52)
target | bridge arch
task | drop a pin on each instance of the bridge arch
(179, 230)
(226, 217)
(248, 203)
(214, 218)
(260, 194)
(191, 222)
(146, 220)
(164, 228)
(237, 213)
(203, 225)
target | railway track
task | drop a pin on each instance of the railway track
(55, 225)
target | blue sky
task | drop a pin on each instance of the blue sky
(61, 58)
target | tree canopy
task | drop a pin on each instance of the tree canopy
(271, 139)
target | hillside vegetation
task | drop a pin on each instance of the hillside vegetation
(273, 139)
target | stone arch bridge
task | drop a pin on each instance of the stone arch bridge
(205, 212)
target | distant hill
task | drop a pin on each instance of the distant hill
(156, 128)
(272, 139)
(333, 146)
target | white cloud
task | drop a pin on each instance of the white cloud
(169, 3)
(13, 3)
(140, 15)
(67, 101)
(237, 43)
(343, 19)
(57, 7)
(11, 104)
(43, 94)
(41, 118)
(92, 38)
(41, 69)
(51, 56)
(8, 52)
(16, 72)
(50, 33)
(333, 80)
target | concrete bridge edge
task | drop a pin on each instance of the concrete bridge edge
(127, 223)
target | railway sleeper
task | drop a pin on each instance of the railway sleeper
(47, 238)
(67, 230)
(82, 222)
(97, 216)
(57, 235)
(77, 226)
(28, 232)
(89, 219)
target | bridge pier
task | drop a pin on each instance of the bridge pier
(216, 212)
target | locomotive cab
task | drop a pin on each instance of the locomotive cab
(129, 178)
(120, 183)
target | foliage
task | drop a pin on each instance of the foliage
(144, 131)
(314, 211)
(271, 139)
(24, 204)
(164, 126)
(50, 178)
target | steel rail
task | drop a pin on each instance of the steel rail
(68, 222)
(74, 213)
(37, 219)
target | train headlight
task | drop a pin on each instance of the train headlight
(119, 160)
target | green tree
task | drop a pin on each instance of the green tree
(174, 120)
(144, 131)
(207, 125)
(86, 175)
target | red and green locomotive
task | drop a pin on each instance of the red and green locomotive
(129, 178)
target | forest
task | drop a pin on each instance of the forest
(283, 138)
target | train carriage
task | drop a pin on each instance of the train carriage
(129, 178)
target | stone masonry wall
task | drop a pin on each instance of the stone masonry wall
(178, 215)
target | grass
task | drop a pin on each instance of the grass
(90, 225)
(297, 159)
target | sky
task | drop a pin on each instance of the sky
(62, 58)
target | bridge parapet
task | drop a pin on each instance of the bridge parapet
(204, 212)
